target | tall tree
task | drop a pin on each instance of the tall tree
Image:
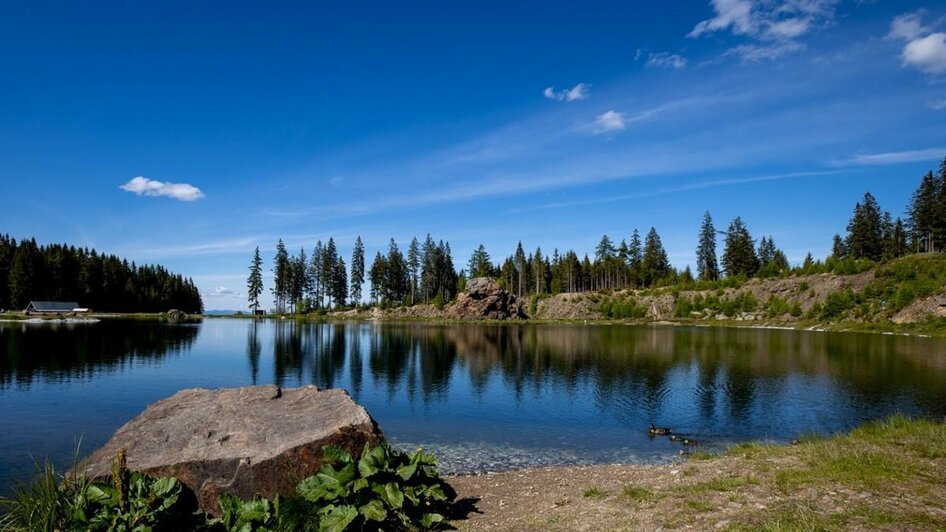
(254, 284)
(329, 262)
(520, 259)
(707, 265)
(865, 238)
(357, 270)
(339, 283)
(281, 274)
(635, 258)
(739, 256)
(413, 265)
(315, 273)
(378, 275)
(480, 264)
(397, 276)
(838, 247)
(655, 264)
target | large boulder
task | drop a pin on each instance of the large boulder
(485, 299)
(258, 440)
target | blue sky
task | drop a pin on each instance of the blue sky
(479, 122)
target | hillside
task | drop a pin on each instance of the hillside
(904, 291)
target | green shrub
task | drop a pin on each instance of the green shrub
(838, 303)
(796, 310)
(776, 306)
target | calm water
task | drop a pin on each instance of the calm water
(483, 397)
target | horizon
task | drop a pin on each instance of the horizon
(187, 136)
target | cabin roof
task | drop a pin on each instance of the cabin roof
(52, 306)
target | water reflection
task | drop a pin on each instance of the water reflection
(59, 352)
(481, 396)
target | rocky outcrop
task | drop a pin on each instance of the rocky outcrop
(485, 299)
(258, 440)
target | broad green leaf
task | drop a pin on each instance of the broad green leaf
(374, 510)
(428, 520)
(392, 495)
(359, 484)
(406, 471)
(99, 494)
(338, 519)
(373, 460)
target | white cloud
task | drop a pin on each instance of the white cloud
(923, 50)
(150, 187)
(666, 60)
(896, 157)
(927, 53)
(578, 92)
(938, 105)
(609, 121)
(773, 25)
(908, 26)
(730, 14)
(221, 291)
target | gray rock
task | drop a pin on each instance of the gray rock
(258, 440)
(485, 299)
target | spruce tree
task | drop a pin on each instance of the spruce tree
(707, 265)
(922, 213)
(254, 284)
(327, 271)
(520, 259)
(739, 256)
(339, 283)
(865, 230)
(655, 264)
(357, 270)
(281, 275)
(413, 264)
(635, 259)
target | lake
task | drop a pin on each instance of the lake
(482, 397)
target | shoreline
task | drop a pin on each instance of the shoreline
(870, 478)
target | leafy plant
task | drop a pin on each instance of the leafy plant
(383, 489)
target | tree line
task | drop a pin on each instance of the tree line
(427, 273)
(303, 283)
(107, 283)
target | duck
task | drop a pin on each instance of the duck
(674, 437)
(689, 442)
(658, 431)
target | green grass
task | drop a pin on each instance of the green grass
(637, 494)
(594, 492)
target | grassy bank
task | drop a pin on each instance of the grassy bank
(882, 476)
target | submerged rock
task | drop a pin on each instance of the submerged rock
(258, 440)
(485, 299)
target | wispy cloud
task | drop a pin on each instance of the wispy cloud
(896, 157)
(609, 121)
(143, 186)
(938, 104)
(578, 92)
(666, 60)
(923, 50)
(221, 291)
(772, 26)
(681, 188)
(908, 26)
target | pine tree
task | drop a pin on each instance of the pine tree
(339, 283)
(280, 276)
(739, 256)
(327, 272)
(520, 260)
(538, 271)
(480, 264)
(254, 284)
(655, 264)
(865, 230)
(357, 271)
(707, 265)
(635, 257)
(397, 276)
(378, 276)
(315, 273)
(922, 213)
(413, 264)
(838, 247)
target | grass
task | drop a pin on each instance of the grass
(882, 475)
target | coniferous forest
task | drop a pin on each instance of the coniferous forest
(103, 283)
(426, 273)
